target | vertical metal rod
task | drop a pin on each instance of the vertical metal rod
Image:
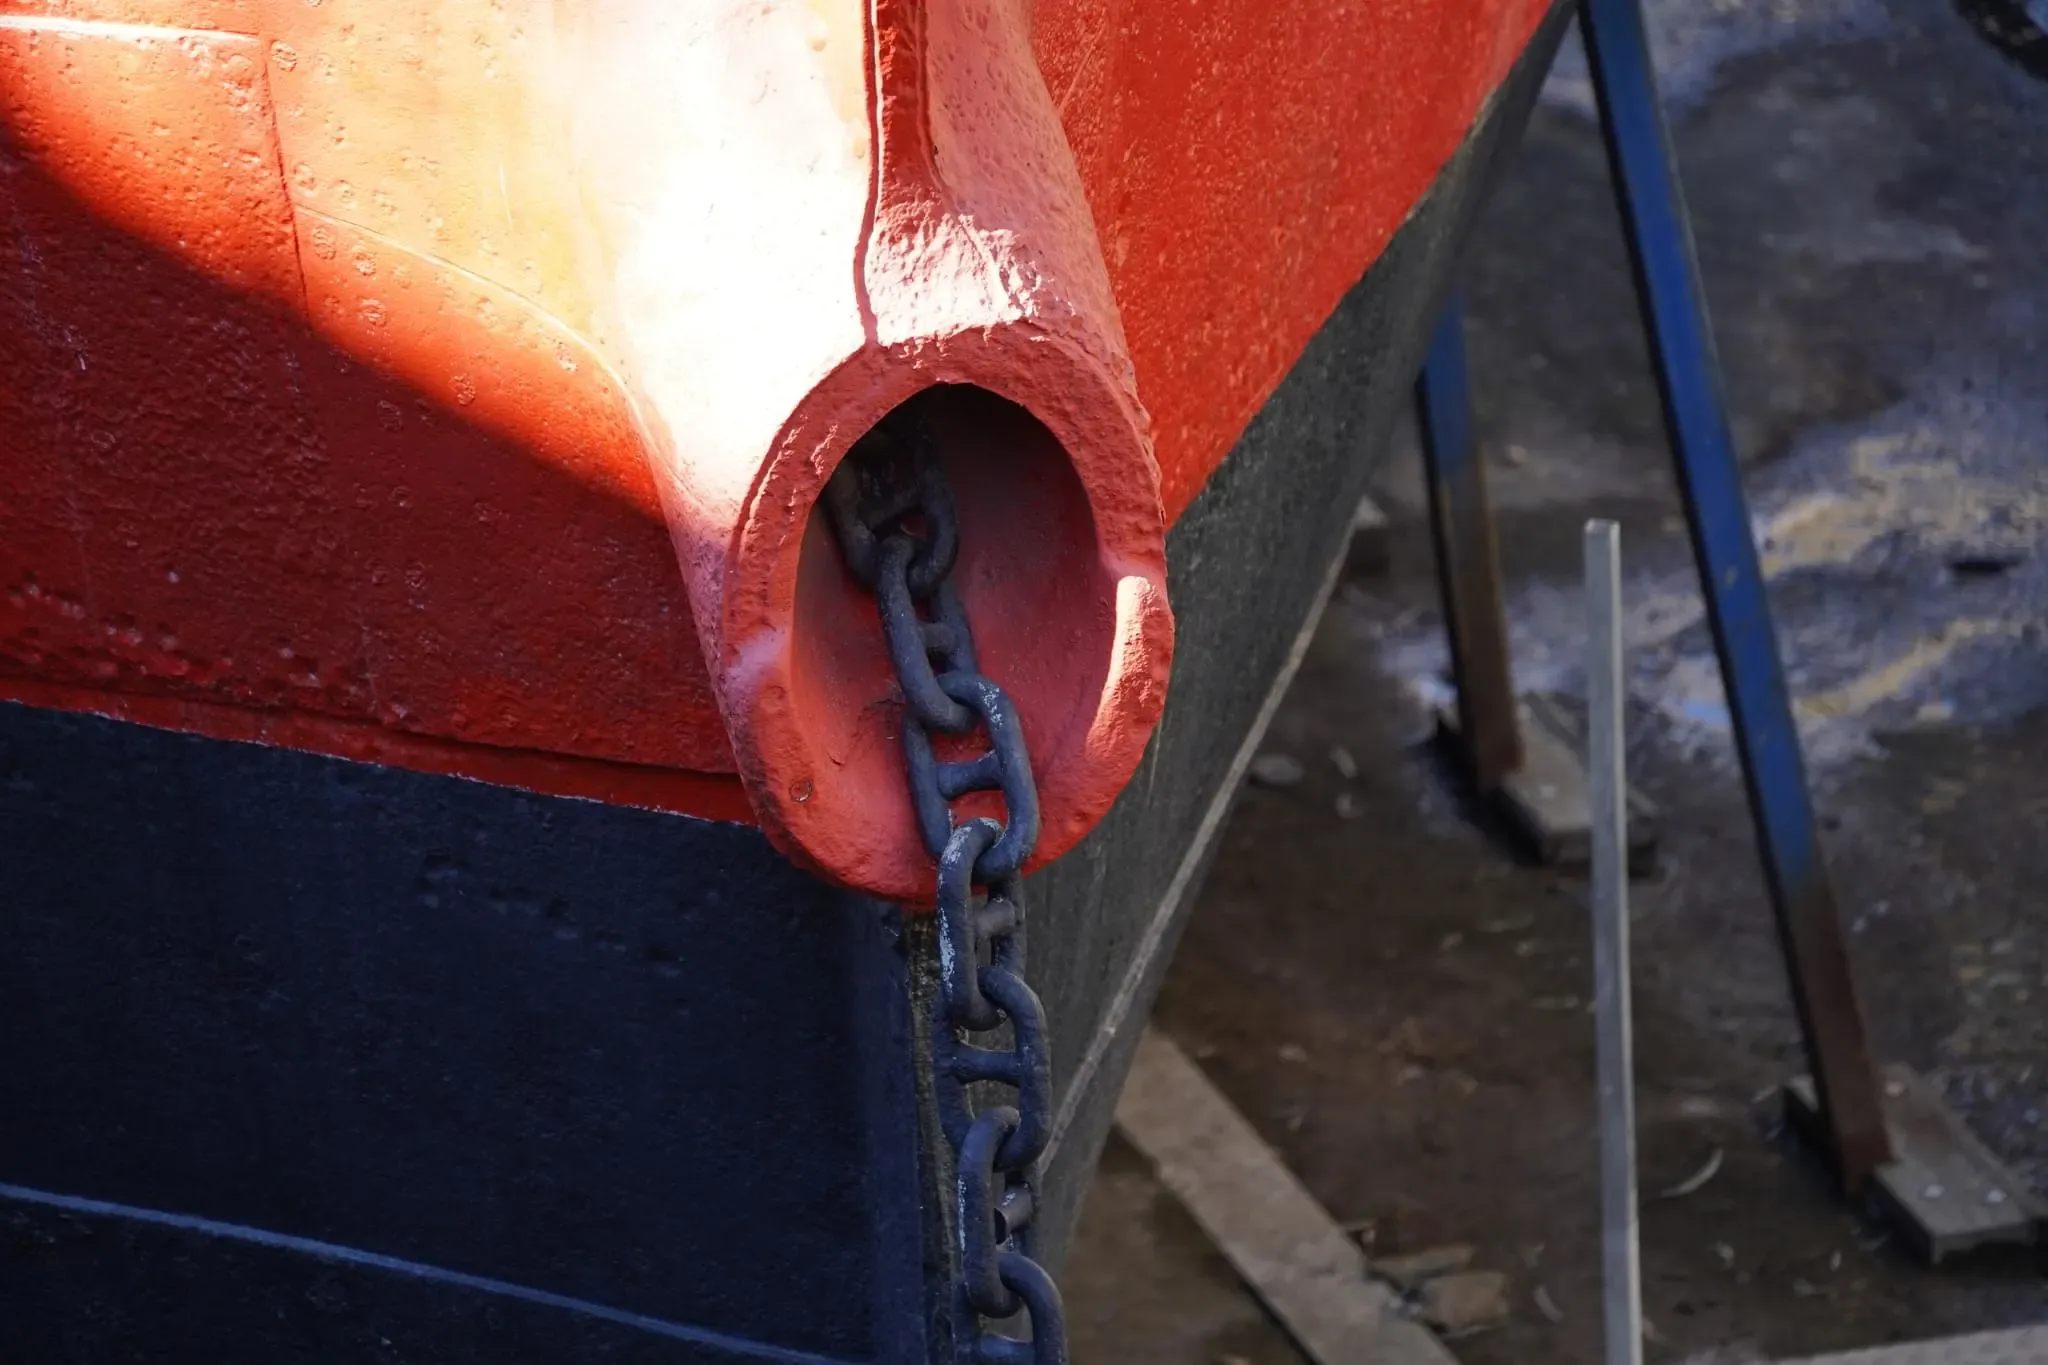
(1467, 560)
(1731, 578)
(1607, 779)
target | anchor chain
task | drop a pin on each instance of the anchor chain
(892, 513)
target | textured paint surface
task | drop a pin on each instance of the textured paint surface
(368, 370)
(1246, 161)
(454, 1032)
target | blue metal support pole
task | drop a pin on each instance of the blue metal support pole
(1710, 478)
(1467, 561)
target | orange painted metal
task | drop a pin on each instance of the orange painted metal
(449, 383)
(966, 258)
(1247, 160)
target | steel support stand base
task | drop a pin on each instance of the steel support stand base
(1545, 804)
(1943, 1190)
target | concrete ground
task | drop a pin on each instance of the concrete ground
(1400, 1008)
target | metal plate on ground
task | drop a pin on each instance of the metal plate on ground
(2025, 1346)
(1944, 1188)
(1546, 800)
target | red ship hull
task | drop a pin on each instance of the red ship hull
(336, 477)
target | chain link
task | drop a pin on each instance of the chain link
(893, 516)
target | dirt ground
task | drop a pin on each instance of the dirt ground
(1401, 1008)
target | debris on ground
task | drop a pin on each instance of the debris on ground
(1697, 1181)
(1278, 771)
(1468, 1301)
(1441, 1288)
(1408, 1273)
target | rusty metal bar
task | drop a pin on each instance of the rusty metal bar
(1467, 560)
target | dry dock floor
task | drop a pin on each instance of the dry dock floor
(1399, 1007)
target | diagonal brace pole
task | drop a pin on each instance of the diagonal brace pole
(1710, 479)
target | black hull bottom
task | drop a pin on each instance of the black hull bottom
(305, 1060)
